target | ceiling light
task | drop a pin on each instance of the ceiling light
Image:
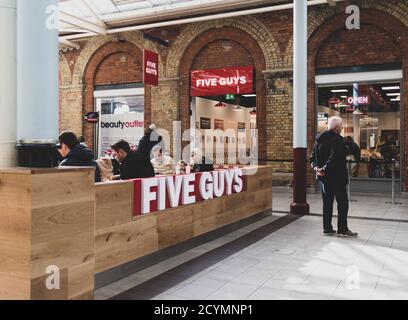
(396, 99)
(396, 94)
(343, 97)
(391, 88)
(249, 95)
(339, 90)
(220, 105)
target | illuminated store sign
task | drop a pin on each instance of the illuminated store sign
(231, 80)
(358, 100)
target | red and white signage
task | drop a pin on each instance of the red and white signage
(150, 68)
(229, 80)
(358, 100)
(161, 193)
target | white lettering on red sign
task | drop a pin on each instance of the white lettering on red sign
(173, 188)
(214, 82)
(358, 100)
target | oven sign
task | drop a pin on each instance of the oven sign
(160, 193)
(358, 100)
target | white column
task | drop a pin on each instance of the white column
(8, 69)
(300, 75)
(299, 205)
(37, 71)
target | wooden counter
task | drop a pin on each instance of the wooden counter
(59, 217)
(46, 219)
(120, 238)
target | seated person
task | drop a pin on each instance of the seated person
(200, 163)
(76, 155)
(106, 168)
(162, 163)
(183, 166)
(353, 152)
(132, 165)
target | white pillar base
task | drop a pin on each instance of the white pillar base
(7, 154)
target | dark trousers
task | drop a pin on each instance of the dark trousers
(329, 192)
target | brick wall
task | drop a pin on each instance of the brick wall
(346, 48)
(264, 41)
(119, 68)
(222, 53)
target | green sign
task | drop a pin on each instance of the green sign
(230, 97)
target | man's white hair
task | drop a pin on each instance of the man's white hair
(335, 122)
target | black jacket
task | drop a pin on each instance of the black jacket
(143, 152)
(206, 165)
(81, 156)
(329, 153)
(134, 167)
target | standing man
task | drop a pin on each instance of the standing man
(328, 161)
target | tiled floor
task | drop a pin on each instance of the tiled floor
(362, 205)
(293, 262)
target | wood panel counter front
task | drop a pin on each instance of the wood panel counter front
(59, 218)
(120, 237)
(47, 222)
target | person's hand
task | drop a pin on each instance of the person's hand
(320, 172)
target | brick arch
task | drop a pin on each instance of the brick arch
(252, 47)
(95, 43)
(248, 24)
(379, 19)
(107, 50)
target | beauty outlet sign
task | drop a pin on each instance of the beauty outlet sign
(229, 80)
(161, 193)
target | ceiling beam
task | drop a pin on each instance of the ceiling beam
(81, 23)
(69, 44)
(94, 14)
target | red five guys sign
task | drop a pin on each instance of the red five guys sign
(150, 68)
(229, 80)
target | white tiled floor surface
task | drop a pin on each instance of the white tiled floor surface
(374, 205)
(297, 262)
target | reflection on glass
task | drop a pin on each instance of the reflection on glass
(371, 115)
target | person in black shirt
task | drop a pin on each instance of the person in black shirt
(144, 149)
(131, 163)
(352, 149)
(328, 161)
(75, 154)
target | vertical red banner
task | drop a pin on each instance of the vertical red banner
(150, 68)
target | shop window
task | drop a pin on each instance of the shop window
(121, 117)
(371, 118)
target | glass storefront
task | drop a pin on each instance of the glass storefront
(121, 117)
(372, 124)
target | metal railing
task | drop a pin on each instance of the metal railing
(393, 202)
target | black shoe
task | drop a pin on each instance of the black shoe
(347, 233)
(329, 232)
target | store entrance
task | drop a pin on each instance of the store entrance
(230, 121)
(223, 114)
(371, 112)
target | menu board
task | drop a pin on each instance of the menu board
(205, 123)
(218, 124)
(241, 126)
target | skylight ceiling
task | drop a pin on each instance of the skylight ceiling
(116, 13)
